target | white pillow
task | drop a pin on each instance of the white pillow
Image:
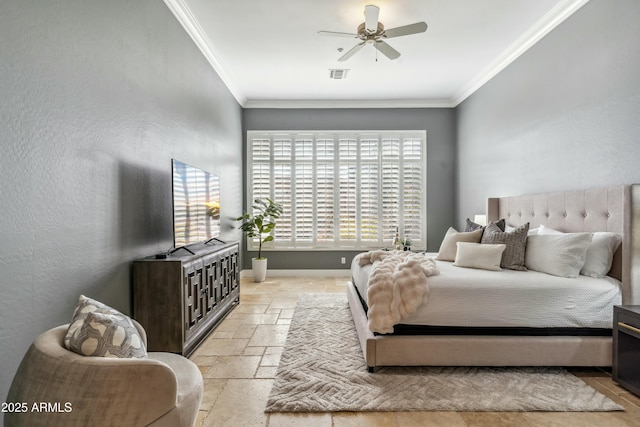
(546, 230)
(531, 231)
(478, 255)
(557, 254)
(600, 253)
(447, 250)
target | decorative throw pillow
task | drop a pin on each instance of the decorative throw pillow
(99, 330)
(477, 255)
(447, 250)
(472, 226)
(515, 241)
(557, 254)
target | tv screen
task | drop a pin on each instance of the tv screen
(196, 204)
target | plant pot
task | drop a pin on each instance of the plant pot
(259, 269)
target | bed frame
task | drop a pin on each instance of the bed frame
(608, 209)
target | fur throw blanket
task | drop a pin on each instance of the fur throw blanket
(397, 286)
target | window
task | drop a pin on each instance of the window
(341, 190)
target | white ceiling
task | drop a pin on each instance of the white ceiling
(269, 52)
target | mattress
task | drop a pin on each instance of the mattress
(466, 297)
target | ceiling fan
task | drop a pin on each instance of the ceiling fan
(372, 32)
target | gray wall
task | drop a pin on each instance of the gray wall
(96, 98)
(563, 116)
(440, 127)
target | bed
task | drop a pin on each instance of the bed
(450, 333)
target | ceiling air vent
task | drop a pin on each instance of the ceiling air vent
(338, 74)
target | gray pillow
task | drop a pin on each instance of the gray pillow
(472, 226)
(515, 242)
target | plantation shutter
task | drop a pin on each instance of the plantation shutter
(303, 195)
(341, 189)
(325, 192)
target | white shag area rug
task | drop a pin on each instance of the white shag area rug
(322, 369)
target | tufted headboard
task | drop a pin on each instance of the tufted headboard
(604, 209)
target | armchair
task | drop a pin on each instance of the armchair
(60, 387)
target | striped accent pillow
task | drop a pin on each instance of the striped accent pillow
(515, 242)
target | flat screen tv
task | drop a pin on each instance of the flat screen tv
(196, 205)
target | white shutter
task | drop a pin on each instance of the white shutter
(325, 195)
(369, 202)
(304, 148)
(347, 203)
(261, 149)
(390, 190)
(282, 194)
(303, 199)
(413, 190)
(341, 189)
(325, 148)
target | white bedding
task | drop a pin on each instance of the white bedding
(472, 297)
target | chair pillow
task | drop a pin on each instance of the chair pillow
(515, 241)
(477, 255)
(99, 330)
(447, 250)
(557, 254)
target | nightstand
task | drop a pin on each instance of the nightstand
(626, 347)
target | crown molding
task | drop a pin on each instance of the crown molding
(552, 19)
(346, 103)
(541, 28)
(189, 22)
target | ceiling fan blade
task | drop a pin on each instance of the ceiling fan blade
(418, 27)
(351, 52)
(337, 34)
(371, 14)
(387, 50)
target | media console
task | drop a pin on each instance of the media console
(179, 300)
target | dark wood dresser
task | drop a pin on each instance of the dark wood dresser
(181, 299)
(626, 347)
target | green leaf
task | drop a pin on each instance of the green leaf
(262, 222)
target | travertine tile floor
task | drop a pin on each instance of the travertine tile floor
(239, 360)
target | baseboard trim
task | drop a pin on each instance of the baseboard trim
(301, 273)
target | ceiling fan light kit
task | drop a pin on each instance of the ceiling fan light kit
(372, 32)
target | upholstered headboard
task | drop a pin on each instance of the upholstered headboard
(603, 209)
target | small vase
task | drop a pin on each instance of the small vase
(259, 269)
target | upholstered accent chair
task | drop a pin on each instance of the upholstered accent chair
(69, 389)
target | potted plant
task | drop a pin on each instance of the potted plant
(261, 222)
